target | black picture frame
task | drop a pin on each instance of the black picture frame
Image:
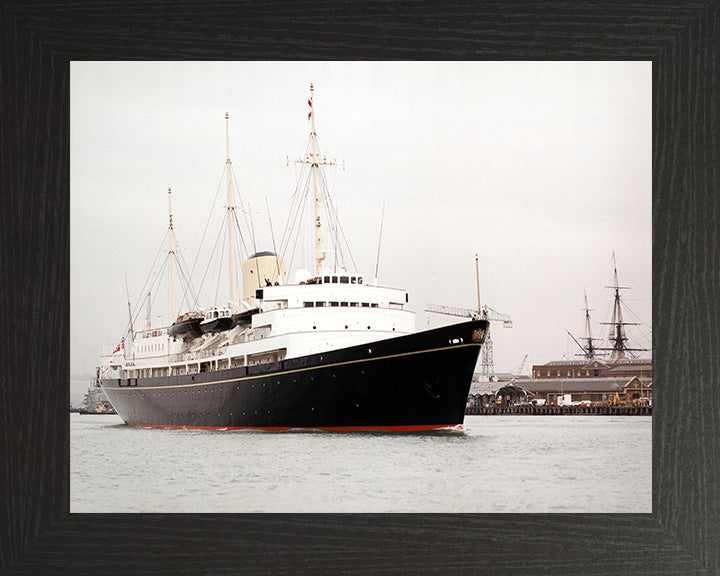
(37, 533)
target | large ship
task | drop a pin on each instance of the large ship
(330, 351)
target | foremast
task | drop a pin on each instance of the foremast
(171, 257)
(230, 218)
(590, 348)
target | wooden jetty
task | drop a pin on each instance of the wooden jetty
(548, 410)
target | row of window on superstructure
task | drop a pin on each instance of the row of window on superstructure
(335, 279)
(336, 303)
(152, 348)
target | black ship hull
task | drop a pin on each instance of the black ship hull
(415, 382)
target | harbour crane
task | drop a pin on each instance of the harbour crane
(487, 368)
(482, 312)
(522, 365)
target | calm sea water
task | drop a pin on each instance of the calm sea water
(496, 464)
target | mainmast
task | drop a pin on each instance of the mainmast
(617, 338)
(316, 160)
(230, 218)
(171, 256)
(319, 237)
(617, 334)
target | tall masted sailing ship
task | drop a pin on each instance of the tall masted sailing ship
(329, 351)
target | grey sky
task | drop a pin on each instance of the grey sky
(544, 169)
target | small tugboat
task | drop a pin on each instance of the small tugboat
(95, 400)
(329, 351)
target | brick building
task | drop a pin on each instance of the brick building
(594, 380)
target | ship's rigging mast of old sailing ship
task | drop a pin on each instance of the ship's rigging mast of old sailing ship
(617, 348)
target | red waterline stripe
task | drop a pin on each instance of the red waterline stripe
(413, 428)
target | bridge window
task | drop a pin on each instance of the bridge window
(319, 304)
(334, 303)
(326, 280)
(344, 280)
(308, 304)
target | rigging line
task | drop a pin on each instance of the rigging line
(377, 259)
(182, 265)
(154, 264)
(252, 235)
(238, 196)
(627, 308)
(272, 235)
(339, 227)
(154, 294)
(207, 223)
(297, 198)
(130, 326)
(210, 262)
(297, 211)
(152, 288)
(220, 260)
(624, 275)
(301, 175)
(240, 243)
(240, 240)
(334, 222)
(303, 204)
(182, 262)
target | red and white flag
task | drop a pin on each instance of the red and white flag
(309, 113)
(120, 346)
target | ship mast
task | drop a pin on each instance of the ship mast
(617, 338)
(171, 255)
(477, 284)
(319, 237)
(590, 350)
(230, 218)
(316, 160)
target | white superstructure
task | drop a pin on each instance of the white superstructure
(327, 312)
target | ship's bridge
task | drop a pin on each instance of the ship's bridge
(333, 302)
(331, 290)
(335, 279)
